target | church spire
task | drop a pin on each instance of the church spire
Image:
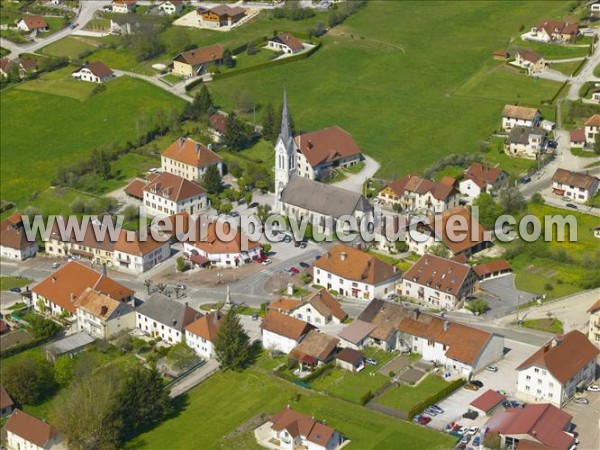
(286, 128)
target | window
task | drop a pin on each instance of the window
(536, 370)
(527, 388)
(539, 391)
(528, 377)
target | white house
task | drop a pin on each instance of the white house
(189, 159)
(102, 316)
(578, 187)
(292, 430)
(123, 6)
(595, 8)
(354, 273)
(281, 332)
(27, 432)
(201, 334)
(480, 178)
(211, 248)
(554, 371)
(525, 142)
(33, 23)
(94, 72)
(58, 293)
(439, 282)
(161, 316)
(286, 43)
(171, 7)
(136, 254)
(592, 127)
(513, 116)
(594, 322)
(171, 194)
(319, 309)
(415, 193)
(554, 31)
(13, 240)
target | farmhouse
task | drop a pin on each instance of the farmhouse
(24, 431)
(189, 159)
(201, 334)
(480, 178)
(33, 23)
(13, 240)
(161, 316)
(315, 349)
(532, 61)
(171, 7)
(320, 308)
(286, 43)
(59, 292)
(554, 371)
(94, 72)
(578, 187)
(6, 403)
(295, 430)
(592, 127)
(536, 426)
(513, 115)
(196, 62)
(525, 142)
(102, 316)
(281, 332)
(350, 360)
(220, 16)
(354, 273)
(439, 282)
(171, 194)
(123, 6)
(211, 248)
(594, 323)
(554, 31)
(415, 193)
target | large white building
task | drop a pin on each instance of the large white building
(171, 194)
(439, 282)
(354, 273)
(13, 240)
(281, 332)
(201, 334)
(513, 116)
(189, 159)
(553, 372)
(578, 187)
(102, 316)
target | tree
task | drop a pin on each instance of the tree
(400, 246)
(228, 59)
(511, 199)
(201, 106)
(148, 284)
(270, 131)
(477, 306)
(180, 264)
(263, 212)
(131, 213)
(248, 198)
(489, 210)
(211, 181)
(232, 344)
(28, 380)
(63, 370)
(537, 198)
(225, 208)
(236, 136)
(266, 247)
(181, 356)
(439, 249)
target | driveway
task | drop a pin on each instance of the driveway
(354, 182)
(502, 295)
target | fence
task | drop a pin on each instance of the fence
(387, 410)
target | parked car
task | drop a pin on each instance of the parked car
(253, 205)
(594, 388)
(303, 264)
(437, 408)
(297, 243)
(417, 418)
(266, 262)
(430, 411)
(254, 316)
(476, 441)
(462, 430)
(552, 144)
(471, 387)
(470, 414)
(392, 296)
(465, 439)
(287, 239)
(294, 270)
(371, 361)
(55, 265)
(303, 244)
(183, 287)
(15, 289)
(424, 420)
(571, 205)
(581, 401)
(492, 369)
(516, 404)
(477, 383)
(506, 404)
(472, 431)
(525, 180)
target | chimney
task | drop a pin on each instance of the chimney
(181, 141)
(417, 313)
(104, 269)
(198, 147)
(186, 303)
(310, 144)
(290, 289)
(555, 341)
(446, 325)
(174, 322)
(343, 256)
(72, 297)
(54, 279)
(103, 310)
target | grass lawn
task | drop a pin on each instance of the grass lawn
(3, 52)
(567, 68)
(72, 129)
(60, 82)
(70, 47)
(241, 396)
(511, 165)
(583, 153)
(549, 325)
(597, 71)
(594, 164)
(54, 24)
(119, 58)
(243, 59)
(549, 51)
(7, 283)
(437, 89)
(171, 79)
(404, 397)
(16, 36)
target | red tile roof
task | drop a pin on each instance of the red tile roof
(291, 41)
(483, 175)
(131, 243)
(564, 356)
(593, 121)
(488, 400)
(35, 22)
(12, 235)
(577, 179)
(578, 135)
(192, 153)
(595, 307)
(558, 26)
(325, 304)
(5, 400)
(318, 345)
(174, 188)
(439, 273)
(99, 69)
(529, 55)
(286, 326)
(297, 424)
(498, 265)
(30, 428)
(284, 304)
(218, 122)
(416, 184)
(203, 55)
(327, 145)
(206, 327)
(350, 356)
(208, 240)
(452, 220)
(136, 189)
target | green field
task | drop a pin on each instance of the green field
(403, 77)
(404, 397)
(241, 396)
(46, 130)
(567, 68)
(69, 47)
(550, 51)
(60, 82)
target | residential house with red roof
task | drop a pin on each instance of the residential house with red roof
(282, 332)
(594, 323)
(33, 23)
(296, 430)
(201, 334)
(315, 349)
(354, 273)
(531, 61)
(58, 293)
(536, 426)
(196, 62)
(24, 431)
(123, 6)
(577, 186)
(169, 194)
(413, 193)
(102, 316)
(94, 72)
(319, 308)
(480, 178)
(218, 126)
(439, 282)
(554, 31)
(139, 251)
(554, 371)
(189, 159)
(164, 317)
(14, 243)
(286, 43)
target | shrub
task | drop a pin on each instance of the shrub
(548, 287)
(366, 398)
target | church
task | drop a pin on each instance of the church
(302, 197)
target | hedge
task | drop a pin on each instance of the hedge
(15, 349)
(456, 384)
(193, 84)
(564, 85)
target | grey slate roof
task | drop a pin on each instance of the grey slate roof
(70, 343)
(323, 198)
(169, 312)
(520, 135)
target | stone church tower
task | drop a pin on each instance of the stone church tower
(285, 155)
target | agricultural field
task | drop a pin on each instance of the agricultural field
(382, 59)
(61, 131)
(70, 47)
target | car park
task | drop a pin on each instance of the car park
(492, 369)
(594, 388)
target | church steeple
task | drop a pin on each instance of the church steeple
(286, 128)
(285, 154)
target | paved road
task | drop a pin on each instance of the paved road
(586, 73)
(354, 182)
(503, 297)
(177, 89)
(84, 15)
